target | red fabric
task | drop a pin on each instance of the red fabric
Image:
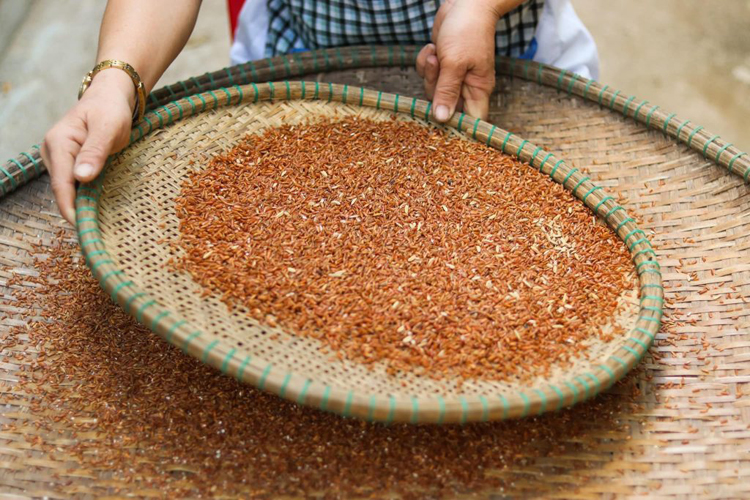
(235, 6)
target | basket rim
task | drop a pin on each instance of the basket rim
(347, 401)
(27, 166)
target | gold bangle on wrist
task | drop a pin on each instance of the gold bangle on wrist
(140, 90)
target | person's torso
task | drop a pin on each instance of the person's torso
(314, 24)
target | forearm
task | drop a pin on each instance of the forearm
(147, 34)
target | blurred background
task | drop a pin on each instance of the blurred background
(691, 57)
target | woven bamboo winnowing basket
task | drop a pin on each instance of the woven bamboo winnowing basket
(124, 214)
(687, 437)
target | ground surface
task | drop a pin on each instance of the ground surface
(689, 56)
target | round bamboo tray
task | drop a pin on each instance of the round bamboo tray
(686, 436)
(133, 201)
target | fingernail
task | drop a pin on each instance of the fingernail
(442, 113)
(432, 60)
(84, 170)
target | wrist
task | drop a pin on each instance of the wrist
(116, 81)
(501, 7)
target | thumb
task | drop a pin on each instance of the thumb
(476, 101)
(96, 148)
(448, 90)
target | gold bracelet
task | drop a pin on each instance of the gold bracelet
(140, 90)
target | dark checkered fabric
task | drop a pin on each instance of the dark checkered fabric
(314, 24)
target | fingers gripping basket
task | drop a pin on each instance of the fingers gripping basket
(124, 214)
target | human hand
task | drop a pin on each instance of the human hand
(77, 146)
(458, 68)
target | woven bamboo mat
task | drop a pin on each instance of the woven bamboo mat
(676, 428)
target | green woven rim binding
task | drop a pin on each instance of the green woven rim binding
(27, 166)
(416, 408)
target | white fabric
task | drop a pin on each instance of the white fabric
(562, 39)
(252, 30)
